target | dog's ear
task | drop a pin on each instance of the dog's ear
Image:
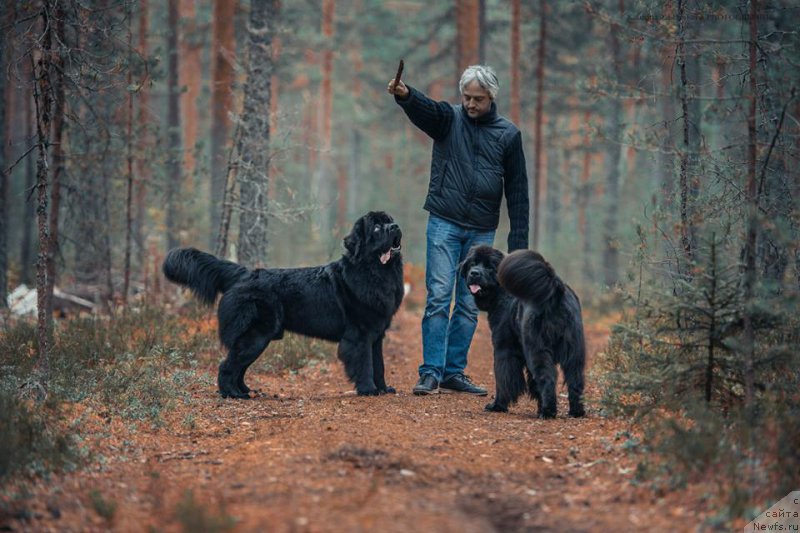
(461, 267)
(497, 257)
(353, 241)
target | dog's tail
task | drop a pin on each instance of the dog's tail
(527, 276)
(203, 273)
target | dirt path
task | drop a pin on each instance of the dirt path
(308, 455)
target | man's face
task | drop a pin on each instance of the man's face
(475, 99)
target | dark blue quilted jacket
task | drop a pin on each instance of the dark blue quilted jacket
(474, 161)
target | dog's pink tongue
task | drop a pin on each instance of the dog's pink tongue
(385, 257)
(474, 289)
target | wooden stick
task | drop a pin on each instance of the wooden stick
(399, 73)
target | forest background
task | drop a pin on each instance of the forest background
(662, 141)
(632, 114)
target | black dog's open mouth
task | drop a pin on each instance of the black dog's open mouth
(475, 289)
(394, 250)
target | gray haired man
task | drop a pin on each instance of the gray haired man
(477, 156)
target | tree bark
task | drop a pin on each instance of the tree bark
(539, 118)
(59, 109)
(515, 73)
(324, 176)
(28, 244)
(189, 78)
(43, 98)
(467, 34)
(686, 229)
(712, 327)
(224, 46)
(666, 160)
(614, 150)
(174, 166)
(353, 177)
(483, 37)
(254, 150)
(752, 211)
(5, 93)
(144, 142)
(129, 179)
(584, 194)
(273, 111)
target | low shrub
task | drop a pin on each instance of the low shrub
(196, 517)
(32, 439)
(677, 365)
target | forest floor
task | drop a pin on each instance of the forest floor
(308, 455)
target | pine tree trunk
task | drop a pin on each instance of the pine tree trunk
(752, 211)
(553, 178)
(435, 87)
(254, 151)
(325, 168)
(664, 176)
(666, 161)
(538, 180)
(174, 166)
(144, 143)
(610, 224)
(189, 77)
(467, 34)
(483, 37)
(341, 204)
(126, 268)
(796, 194)
(712, 327)
(273, 113)
(354, 160)
(686, 239)
(632, 112)
(5, 93)
(43, 97)
(515, 73)
(354, 173)
(27, 274)
(224, 47)
(584, 194)
(59, 108)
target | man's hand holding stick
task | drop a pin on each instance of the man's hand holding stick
(396, 86)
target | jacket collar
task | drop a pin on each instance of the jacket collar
(487, 117)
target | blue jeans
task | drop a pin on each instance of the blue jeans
(446, 337)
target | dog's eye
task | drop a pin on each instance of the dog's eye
(376, 228)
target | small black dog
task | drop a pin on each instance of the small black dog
(350, 301)
(536, 323)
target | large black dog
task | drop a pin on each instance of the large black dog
(351, 301)
(536, 323)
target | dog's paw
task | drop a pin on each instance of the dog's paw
(547, 415)
(495, 408)
(387, 390)
(577, 413)
(368, 392)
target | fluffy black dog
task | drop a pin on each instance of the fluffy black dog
(536, 323)
(351, 301)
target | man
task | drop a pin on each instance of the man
(477, 155)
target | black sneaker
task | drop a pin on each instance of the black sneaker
(427, 384)
(461, 383)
